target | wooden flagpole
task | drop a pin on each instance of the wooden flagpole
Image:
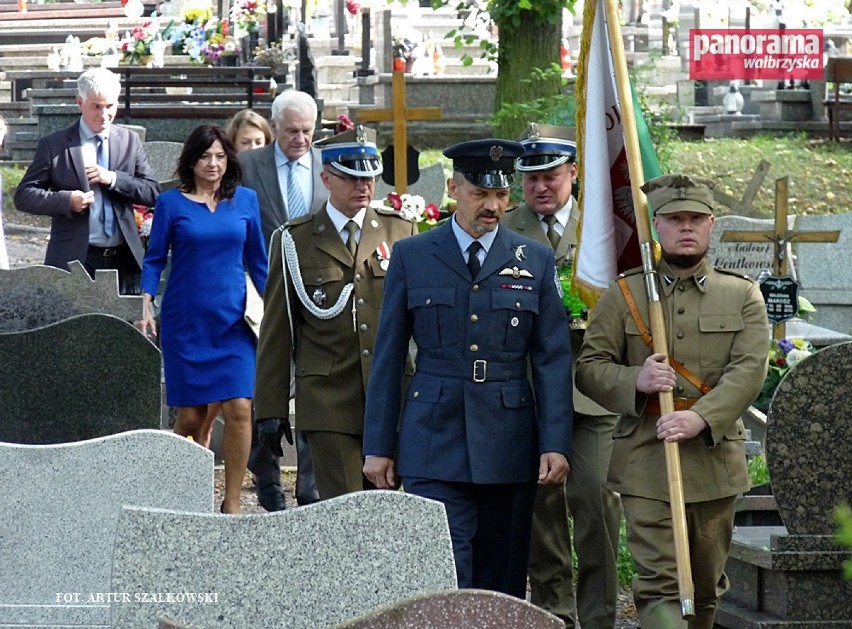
(658, 325)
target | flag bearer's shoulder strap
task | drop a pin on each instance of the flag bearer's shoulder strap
(649, 341)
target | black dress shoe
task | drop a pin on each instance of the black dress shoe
(271, 498)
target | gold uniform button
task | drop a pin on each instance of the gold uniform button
(474, 318)
(680, 335)
(474, 348)
(475, 288)
(357, 277)
(517, 305)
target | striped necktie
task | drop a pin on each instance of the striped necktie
(295, 200)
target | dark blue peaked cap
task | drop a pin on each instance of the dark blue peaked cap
(488, 163)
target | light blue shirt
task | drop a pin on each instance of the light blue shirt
(302, 171)
(464, 239)
(97, 236)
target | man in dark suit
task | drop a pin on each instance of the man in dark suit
(87, 178)
(286, 173)
(549, 215)
(481, 303)
(286, 176)
(324, 310)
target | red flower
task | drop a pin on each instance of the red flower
(432, 212)
(781, 362)
(395, 201)
(343, 124)
(353, 7)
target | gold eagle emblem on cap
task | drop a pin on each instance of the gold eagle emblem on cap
(495, 153)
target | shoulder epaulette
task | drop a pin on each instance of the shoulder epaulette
(299, 220)
(733, 273)
(389, 211)
(630, 272)
(513, 208)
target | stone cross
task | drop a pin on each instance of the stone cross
(781, 236)
(400, 115)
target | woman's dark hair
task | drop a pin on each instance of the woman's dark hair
(200, 139)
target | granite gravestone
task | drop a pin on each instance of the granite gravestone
(471, 609)
(36, 296)
(58, 513)
(431, 185)
(791, 575)
(88, 376)
(313, 566)
(163, 157)
(825, 272)
(749, 258)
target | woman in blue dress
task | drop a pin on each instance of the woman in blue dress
(212, 227)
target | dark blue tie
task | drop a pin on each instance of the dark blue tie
(473, 264)
(107, 211)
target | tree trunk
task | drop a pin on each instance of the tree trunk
(526, 41)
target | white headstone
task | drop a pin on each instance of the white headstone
(58, 513)
(301, 568)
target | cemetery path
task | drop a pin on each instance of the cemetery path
(26, 246)
(625, 613)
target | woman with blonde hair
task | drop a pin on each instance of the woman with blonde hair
(249, 130)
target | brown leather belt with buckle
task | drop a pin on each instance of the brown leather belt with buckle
(652, 407)
(106, 252)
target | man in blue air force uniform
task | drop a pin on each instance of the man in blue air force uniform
(480, 302)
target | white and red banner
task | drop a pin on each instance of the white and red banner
(608, 242)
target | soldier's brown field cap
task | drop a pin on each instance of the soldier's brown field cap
(680, 193)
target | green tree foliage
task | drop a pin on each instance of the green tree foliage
(530, 34)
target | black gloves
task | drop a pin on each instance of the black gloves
(270, 431)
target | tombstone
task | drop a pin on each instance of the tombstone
(825, 273)
(749, 258)
(58, 512)
(163, 157)
(791, 575)
(431, 185)
(471, 609)
(36, 296)
(313, 566)
(88, 376)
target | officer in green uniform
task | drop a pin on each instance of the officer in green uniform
(717, 328)
(321, 307)
(549, 215)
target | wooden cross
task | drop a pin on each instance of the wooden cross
(400, 114)
(781, 237)
(743, 206)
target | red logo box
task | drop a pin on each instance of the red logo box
(774, 54)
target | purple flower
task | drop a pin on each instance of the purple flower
(786, 345)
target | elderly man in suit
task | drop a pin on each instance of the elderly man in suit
(287, 173)
(481, 303)
(286, 176)
(87, 178)
(549, 215)
(322, 301)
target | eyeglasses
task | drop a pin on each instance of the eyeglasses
(352, 181)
